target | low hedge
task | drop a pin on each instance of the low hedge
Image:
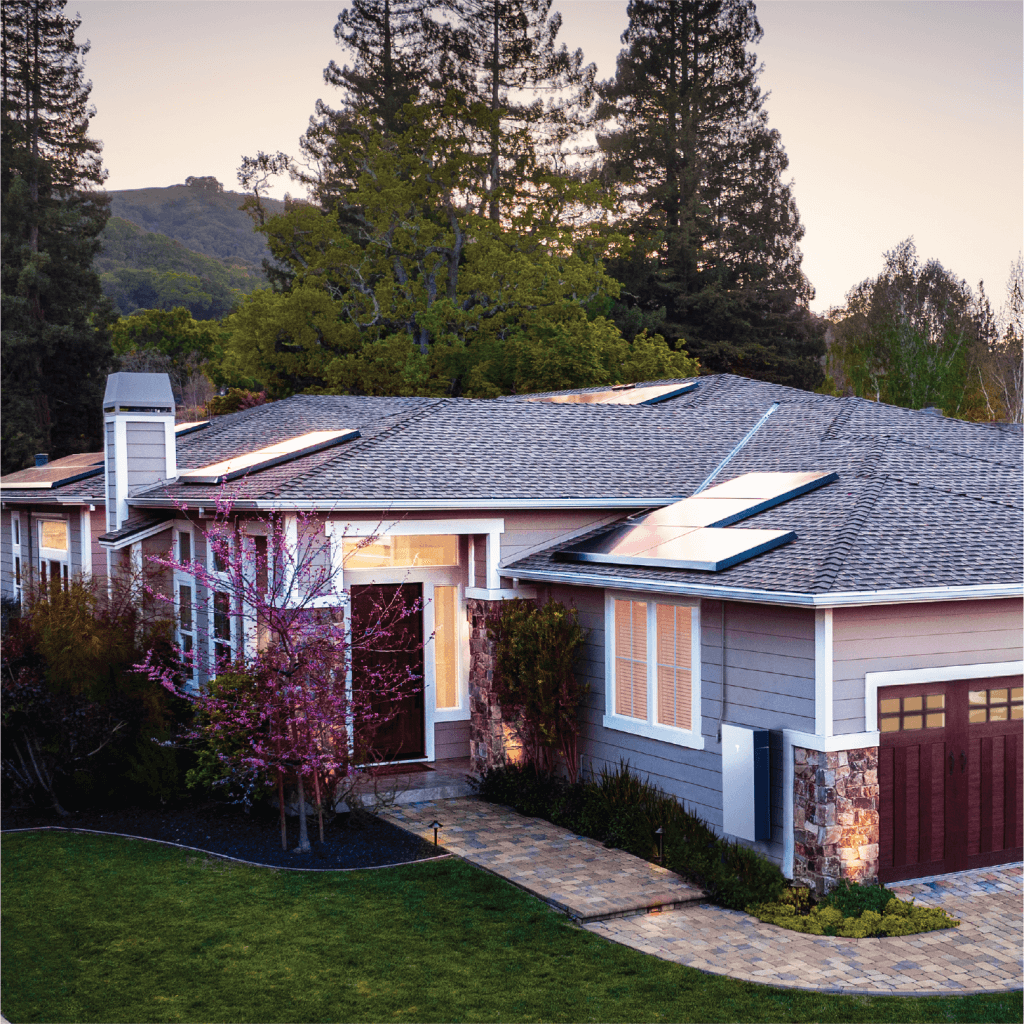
(624, 811)
(899, 917)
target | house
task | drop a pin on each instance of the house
(804, 613)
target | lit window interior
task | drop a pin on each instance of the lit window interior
(390, 552)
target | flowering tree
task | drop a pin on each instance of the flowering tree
(283, 700)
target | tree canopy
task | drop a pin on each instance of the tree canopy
(716, 227)
(55, 334)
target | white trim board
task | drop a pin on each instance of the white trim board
(873, 681)
(823, 671)
(980, 592)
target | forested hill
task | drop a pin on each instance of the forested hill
(200, 215)
(142, 269)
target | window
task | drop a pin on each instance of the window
(389, 552)
(53, 553)
(446, 647)
(185, 600)
(16, 553)
(653, 669)
(221, 628)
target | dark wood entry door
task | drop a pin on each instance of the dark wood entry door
(950, 776)
(400, 654)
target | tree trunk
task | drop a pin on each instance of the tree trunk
(303, 846)
(319, 804)
(280, 799)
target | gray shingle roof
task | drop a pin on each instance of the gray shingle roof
(920, 501)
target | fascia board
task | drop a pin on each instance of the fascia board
(134, 538)
(985, 591)
(342, 505)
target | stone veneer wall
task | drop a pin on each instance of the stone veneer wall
(488, 734)
(835, 816)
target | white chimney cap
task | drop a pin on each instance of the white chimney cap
(139, 392)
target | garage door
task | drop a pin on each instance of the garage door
(950, 776)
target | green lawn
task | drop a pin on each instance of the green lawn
(104, 929)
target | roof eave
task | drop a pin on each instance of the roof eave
(835, 599)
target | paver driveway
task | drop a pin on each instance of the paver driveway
(612, 893)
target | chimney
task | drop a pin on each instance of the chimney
(138, 437)
(42, 459)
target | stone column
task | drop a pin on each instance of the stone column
(835, 816)
(490, 742)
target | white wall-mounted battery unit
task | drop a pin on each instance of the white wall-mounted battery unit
(746, 804)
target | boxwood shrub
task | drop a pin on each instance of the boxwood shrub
(898, 917)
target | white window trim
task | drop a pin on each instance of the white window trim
(181, 579)
(461, 712)
(651, 729)
(54, 554)
(16, 532)
(216, 578)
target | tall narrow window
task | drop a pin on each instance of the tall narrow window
(446, 646)
(185, 607)
(184, 547)
(631, 659)
(221, 628)
(262, 574)
(674, 676)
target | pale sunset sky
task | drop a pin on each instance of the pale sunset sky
(899, 118)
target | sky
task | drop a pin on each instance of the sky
(899, 118)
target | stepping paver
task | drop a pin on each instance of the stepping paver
(627, 900)
(572, 873)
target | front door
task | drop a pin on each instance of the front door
(397, 654)
(950, 778)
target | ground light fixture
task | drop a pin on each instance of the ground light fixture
(435, 825)
(660, 833)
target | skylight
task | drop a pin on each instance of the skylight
(690, 534)
(272, 455)
(624, 394)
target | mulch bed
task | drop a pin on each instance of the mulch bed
(350, 840)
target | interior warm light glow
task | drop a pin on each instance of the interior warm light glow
(53, 536)
(400, 552)
(272, 455)
(446, 651)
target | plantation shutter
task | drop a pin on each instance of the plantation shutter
(631, 659)
(674, 668)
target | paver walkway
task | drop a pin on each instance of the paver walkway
(612, 893)
(576, 875)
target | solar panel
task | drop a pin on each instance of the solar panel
(690, 534)
(68, 470)
(272, 455)
(710, 550)
(180, 429)
(626, 394)
(771, 487)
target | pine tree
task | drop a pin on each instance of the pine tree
(55, 338)
(508, 62)
(716, 227)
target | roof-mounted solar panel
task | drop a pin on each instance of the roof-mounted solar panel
(709, 550)
(690, 534)
(264, 458)
(181, 429)
(68, 470)
(624, 394)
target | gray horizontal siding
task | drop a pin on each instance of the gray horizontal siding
(769, 685)
(147, 456)
(6, 556)
(111, 477)
(451, 739)
(902, 637)
(75, 535)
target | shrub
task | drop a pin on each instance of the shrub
(523, 787)
(898, 918)
(536, 649)
(853, 898)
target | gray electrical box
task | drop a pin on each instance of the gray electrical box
(746, 781)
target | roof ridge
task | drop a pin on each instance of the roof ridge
(918, 444)
(954, 493)
(832, 564)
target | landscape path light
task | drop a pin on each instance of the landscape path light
(660, 833)
(435, 825)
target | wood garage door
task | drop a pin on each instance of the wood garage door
(950, 776)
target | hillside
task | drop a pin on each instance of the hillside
(200, 215)
(142, 269)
